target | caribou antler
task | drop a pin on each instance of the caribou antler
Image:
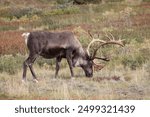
(93, 40)
(98, 66)
(112, 40)
(103, 42)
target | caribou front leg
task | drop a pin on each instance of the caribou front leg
(69, 60)
(58, 60)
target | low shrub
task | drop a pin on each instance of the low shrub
(7, 28)
(63, 1)
(134, 61)
(61, 11)
(19, 12)
(10, 64)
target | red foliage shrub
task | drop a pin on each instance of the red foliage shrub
(11, 42)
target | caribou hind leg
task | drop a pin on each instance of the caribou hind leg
(28, 63)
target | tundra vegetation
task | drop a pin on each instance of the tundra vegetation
(125, 76)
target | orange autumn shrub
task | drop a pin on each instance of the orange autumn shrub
(11, 42)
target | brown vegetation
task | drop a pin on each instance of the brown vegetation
(11, 43)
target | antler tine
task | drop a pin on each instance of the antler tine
(98, 35)
(121, 40)
(94, 54)
(111, 41)
(89, 43)
(107, 36)
(90, 34)
(113, 38)
(88, 52)
(106, 43)
(98, 66)
(93, 40)
(104, 59)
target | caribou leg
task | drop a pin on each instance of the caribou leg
(28, 63)
(69, 60)
(24, 70)
(58, 60)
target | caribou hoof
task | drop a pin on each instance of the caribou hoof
(72, 78)
(35, 80)
(23, 81)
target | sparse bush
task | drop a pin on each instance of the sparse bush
(19, 12)
(6, 28)
(133, 2)
(124, 15)
(67, 10)
(63, 1)
(10, 64)
(148, 68)
(133, 61)
(145, 52)
(146, 0)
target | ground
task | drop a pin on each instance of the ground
(113, 86)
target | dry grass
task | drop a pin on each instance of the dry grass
(104, 85)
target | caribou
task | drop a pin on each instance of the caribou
(60, 45)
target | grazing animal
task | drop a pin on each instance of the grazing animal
(60, 45)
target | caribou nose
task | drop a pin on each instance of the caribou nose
(89, 75)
